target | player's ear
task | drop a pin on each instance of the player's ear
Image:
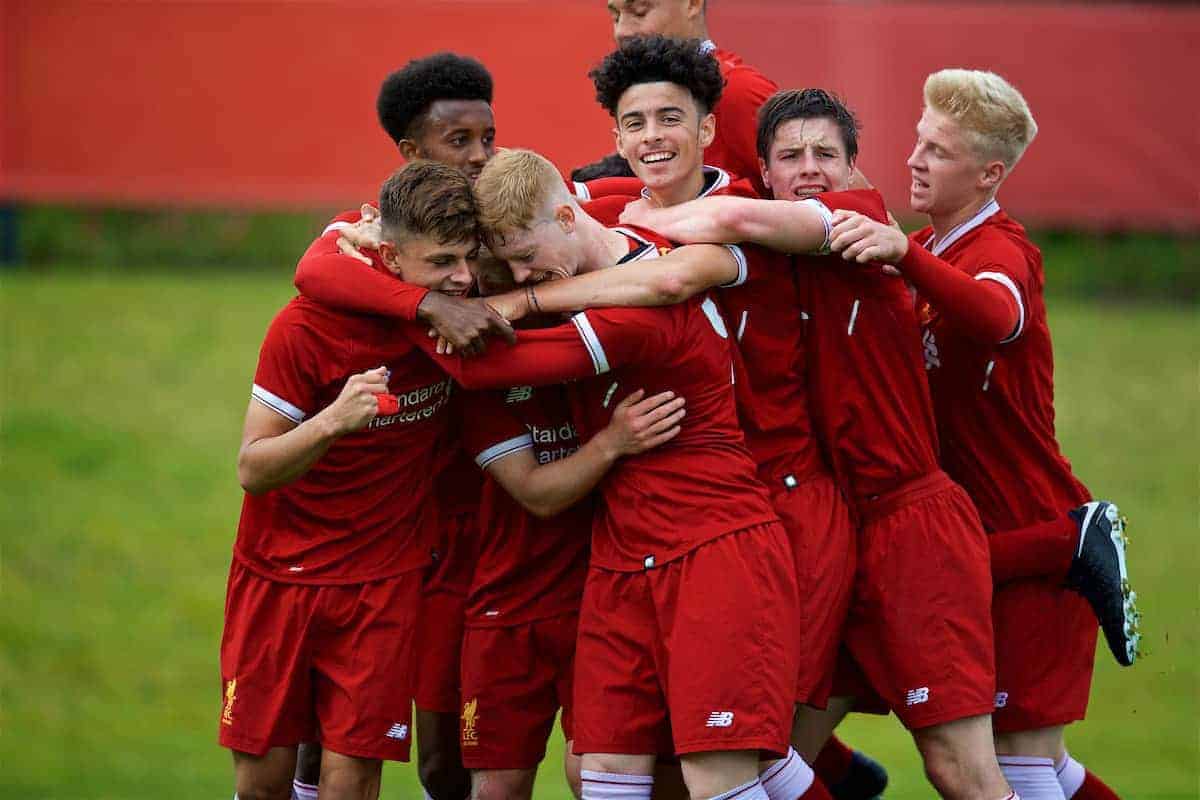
(708, 130)
(762, 170)
(992, 175)
(564, 215)
(617, 138)
(408, 149)
(695, 8)
(390, 255)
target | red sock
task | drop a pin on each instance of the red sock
(833, 762)
(816, 792)
(1094, 789)
(1044, 550)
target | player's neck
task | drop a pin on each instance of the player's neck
(602, 247)
(944, 223)
(687, 189)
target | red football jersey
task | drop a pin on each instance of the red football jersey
(869, 397)
(661, 504)
(362, 512)
(995, 403)
(330, 277)
(735, 147)
(528, 568)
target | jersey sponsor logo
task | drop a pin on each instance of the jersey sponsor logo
(1001, 699)
(554, 443)
(230, 697)
(417, 405)
(470, 716)
(932, 358)
(518, 394)
(397, 731)
(719, 719)
(916, 696)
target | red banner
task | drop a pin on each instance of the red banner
(271, 103)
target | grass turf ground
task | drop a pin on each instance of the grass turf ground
(122, 401)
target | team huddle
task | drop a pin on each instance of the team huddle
(694, 450)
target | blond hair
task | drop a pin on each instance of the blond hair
(517, 188)
(992, 113)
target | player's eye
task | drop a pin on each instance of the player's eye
(458, 141)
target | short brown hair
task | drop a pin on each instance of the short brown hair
(425, 198)
(514, 188)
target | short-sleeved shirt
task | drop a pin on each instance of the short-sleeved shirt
(363, 511)
(528, 568)
(663, 503)
(995, 402)
(869, 396)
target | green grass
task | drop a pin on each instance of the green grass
(120, 412)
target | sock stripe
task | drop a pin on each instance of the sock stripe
(778, 766)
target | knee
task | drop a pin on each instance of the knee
(444, 778)
(571, 768)
(509, 785)
(944, 771)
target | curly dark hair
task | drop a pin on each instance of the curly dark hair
(612, 165)
(789, 104)
(407, 93)
(646, 59)
(425, 198)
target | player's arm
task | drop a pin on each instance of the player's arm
(987, 306)
(638, 424)
(672, 278)
(782, 225)
(277, 449)
(555, 355)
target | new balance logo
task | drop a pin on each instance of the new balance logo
(398, 731)
(719, 719)
(932, 358)
(519, 394)
(1001, 699)
(916, 696)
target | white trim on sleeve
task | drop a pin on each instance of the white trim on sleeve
(592, 342)
(338, 225)
(826, 220)
(582, 192)
(743, 268)
(506, 448)
(1007, 282)
(277, 404)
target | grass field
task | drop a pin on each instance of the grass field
(122, 401)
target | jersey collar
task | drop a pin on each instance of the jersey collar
(714, 178)
(962, 229)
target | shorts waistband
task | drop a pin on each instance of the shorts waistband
(880, 505)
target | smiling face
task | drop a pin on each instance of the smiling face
(662, 133)
(426, 262)
(544, 251)
(807, 157)
(947, 173)
(457, 133)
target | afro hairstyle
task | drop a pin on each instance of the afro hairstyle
(648, 59)
(407, 93)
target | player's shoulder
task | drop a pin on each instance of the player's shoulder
(607, 210)
(1000, 242)
(738, 74)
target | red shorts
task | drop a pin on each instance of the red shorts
(1045, 652)
(920, 619)
(693, 656)
(822, 536)
(514, 681)
(328, 664)
(440, 632)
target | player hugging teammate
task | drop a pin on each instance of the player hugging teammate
(726, 482)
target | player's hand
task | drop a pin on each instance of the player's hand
(358, 404)
(639, 212)
(462, 324)
(859, 238)
(640, 423)
(366, 234)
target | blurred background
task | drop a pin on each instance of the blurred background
(163, 165)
